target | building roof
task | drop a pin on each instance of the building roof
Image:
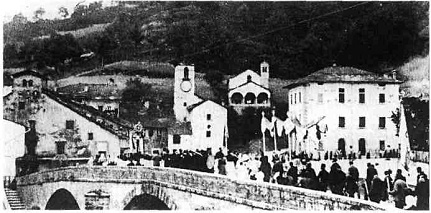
(29, 72)
(91, 91)
(191, 107)
(343, 74)
(249, 82)
(114, 125)
(180, 128)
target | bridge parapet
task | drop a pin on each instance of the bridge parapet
(243, 192)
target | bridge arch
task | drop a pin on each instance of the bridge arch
(154, 192)
(146, 202)
(62, 199)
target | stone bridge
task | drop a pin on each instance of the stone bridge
(88, 187)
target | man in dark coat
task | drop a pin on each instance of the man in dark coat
(422, 192)
(336, 180)
(293, 172)
(265, 167)
(371, 171)
(377, 189)
(310, 177)
(323, 178)
(353, 171)
(351, 186)
(278, 168)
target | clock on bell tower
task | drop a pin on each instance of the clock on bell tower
(184, 91)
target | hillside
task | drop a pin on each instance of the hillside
(296, 38)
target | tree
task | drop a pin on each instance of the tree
(63, 12)
(133, 96)
(38, 14)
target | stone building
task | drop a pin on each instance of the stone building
(357, 106)
(200, 124)
(250, 89)
(64, 128)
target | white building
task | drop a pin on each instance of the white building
(250, 89)
(357, 106)
(13, 139)
(201, 124)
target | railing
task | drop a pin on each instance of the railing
(7, 181)
(258, 195)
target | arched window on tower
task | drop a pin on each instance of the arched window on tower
(186, 73)
(24, 83)
(30, 83)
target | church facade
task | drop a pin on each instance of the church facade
(249, 89)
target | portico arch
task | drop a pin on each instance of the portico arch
(262, 98)
(62, 199)
(236, 98)
(250, 98)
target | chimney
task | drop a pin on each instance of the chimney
(394, 74)
(86, 89)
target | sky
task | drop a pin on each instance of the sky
(9, 8)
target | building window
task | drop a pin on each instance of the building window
(30, 83)
(150, 133)
(208, 117)
(299, 94)
(264, 69)
(291, 99)
(382, 145)
(70, 124)
(341, 122)
(295, 98)
(109, 108)
(361, 122)
(361, 95)
(186, 73)
(382, 98)
(90, 136)
(24, 83)
(21, 105)
(100, 108)
(320, 97)
(185, 104)
(177, 139)
(382, 122)
(341, 95)
(60, 145)
(208, 133)
(248, 78)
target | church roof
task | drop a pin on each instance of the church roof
(343, 74)
(249, 82)
(29, 72)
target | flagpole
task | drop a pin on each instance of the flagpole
(275, 132)
(263, 133)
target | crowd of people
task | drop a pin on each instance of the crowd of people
(297, 172)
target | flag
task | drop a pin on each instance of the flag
(265, 124)
(404, 140)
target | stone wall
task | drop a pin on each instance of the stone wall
(249, 194)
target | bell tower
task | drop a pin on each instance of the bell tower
(264, 74)
(184, 91)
